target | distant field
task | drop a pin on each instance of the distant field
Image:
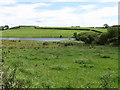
(98, 29)
(61, 65)
(31, 32)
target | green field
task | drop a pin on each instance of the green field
(31, 32)
(63, 64)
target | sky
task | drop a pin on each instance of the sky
(59, 13)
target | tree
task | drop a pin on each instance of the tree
(6, 27)
(106, 25)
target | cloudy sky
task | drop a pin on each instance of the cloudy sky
(59, 12)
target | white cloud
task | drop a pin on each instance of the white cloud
(5, 2)
(27, 14)
(70, 0)
(109, 0)
(84, 0)
(101, 16)
(20, 13)
(36, 1)
(87, 7)
(95, 17)
(65, 17)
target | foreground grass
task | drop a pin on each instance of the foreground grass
(30, 32)
(62, 64)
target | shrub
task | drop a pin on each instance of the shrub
(4, 27)
(45, 43)
(60, 36)
(87, 37)
(111, 36)
(10, 80)
(74, 34)
(113, 31)
(103, 39)
(70, 42)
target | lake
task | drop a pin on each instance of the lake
(39, 39)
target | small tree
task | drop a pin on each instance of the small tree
(106, 25)
(6, 27)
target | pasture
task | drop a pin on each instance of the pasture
(44, 33)
(63, 64)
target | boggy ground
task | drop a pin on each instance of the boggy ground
(61, 64)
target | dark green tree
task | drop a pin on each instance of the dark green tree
(6, 27)
(106, 25)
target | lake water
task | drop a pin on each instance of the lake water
(39, 39)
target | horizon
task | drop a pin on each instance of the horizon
(55, 26)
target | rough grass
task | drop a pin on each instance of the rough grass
(30, 32)
(55, 65)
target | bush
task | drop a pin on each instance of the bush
(74, 34)
(103, 39)
(70, 42)
(111, 36)
(10, 81)
(4, 27)
(87, 37)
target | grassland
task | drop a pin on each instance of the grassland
(61, 64)
(31, 32)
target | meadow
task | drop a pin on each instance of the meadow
(44, 33)
(62, 64)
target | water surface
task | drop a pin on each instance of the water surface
(40, 39)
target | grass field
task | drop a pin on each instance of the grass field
(98, 29)
(61, 64)
(30, 32)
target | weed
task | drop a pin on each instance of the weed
(46, 59)
(87, 66)
(83, 61)
(105, 79)
(104, 56)
(10, 80)
(89, 85)
(58, 67)
(45, 43)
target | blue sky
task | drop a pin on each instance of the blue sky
(59, 12)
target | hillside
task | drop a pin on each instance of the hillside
(65, 32)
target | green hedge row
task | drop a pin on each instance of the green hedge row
(111, 37)
(59, 28)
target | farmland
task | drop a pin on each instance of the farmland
(48, 33)
(59, 44)
(61, 64)
(90, 61)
